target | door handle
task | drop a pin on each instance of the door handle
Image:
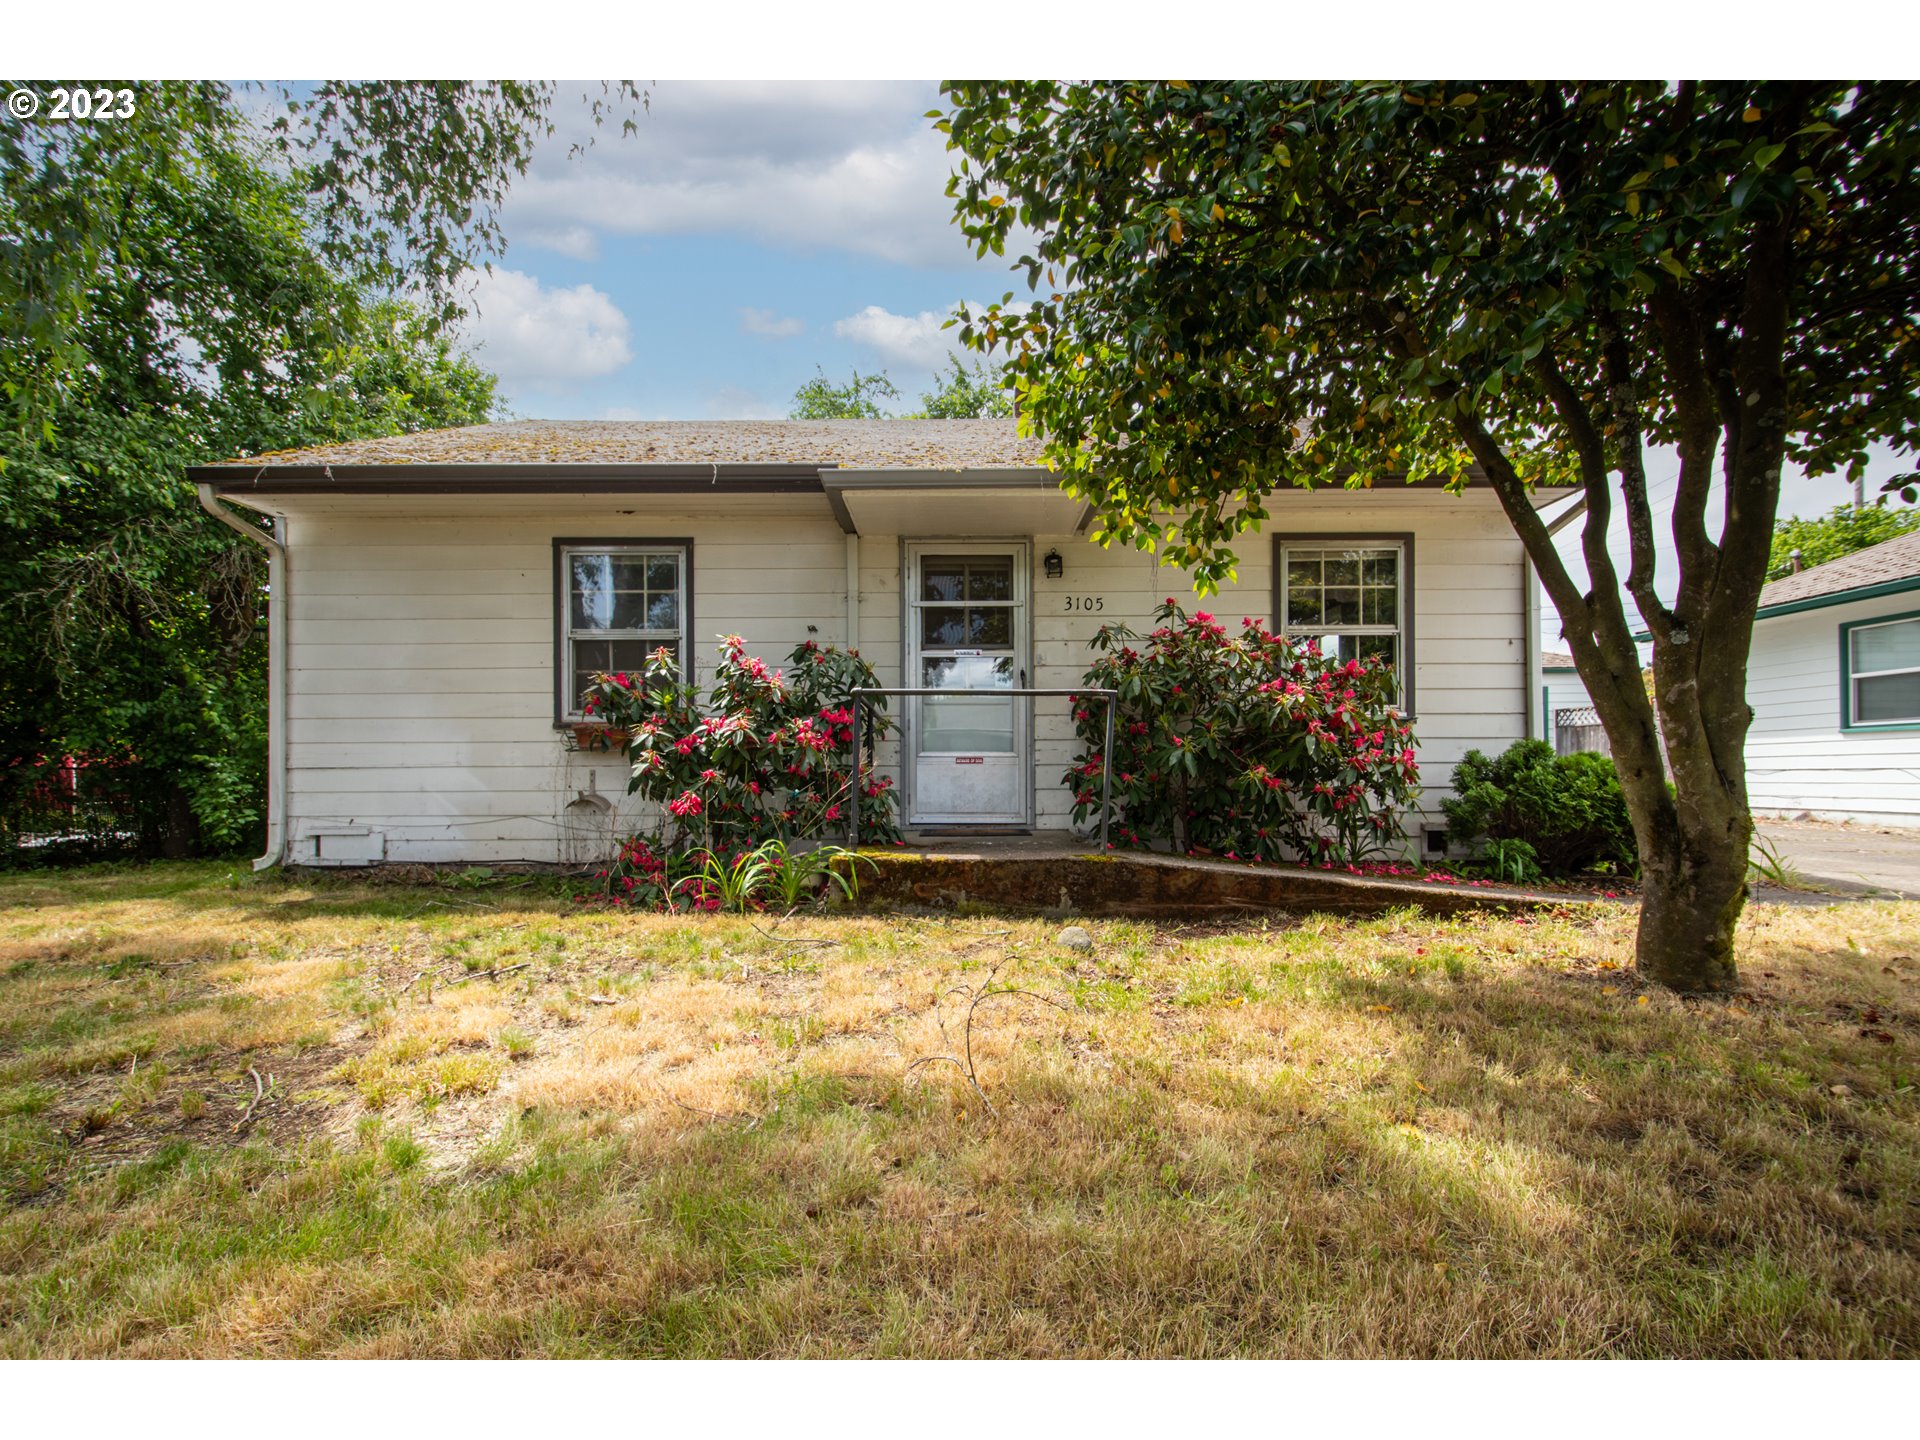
(1023, 679)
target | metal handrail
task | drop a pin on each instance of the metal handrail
(1112, 697)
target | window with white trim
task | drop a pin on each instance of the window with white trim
(1349, 597)
(1883, 673)
(619, 602)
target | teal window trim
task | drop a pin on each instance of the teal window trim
(1846, 677)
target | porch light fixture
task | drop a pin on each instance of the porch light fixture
(1055, 566)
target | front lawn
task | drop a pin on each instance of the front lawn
(490, 1121)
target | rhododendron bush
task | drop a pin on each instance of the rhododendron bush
(1249, 746)
(768, 756)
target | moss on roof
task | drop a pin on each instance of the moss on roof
(854, 444)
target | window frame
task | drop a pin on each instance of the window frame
(563, 632)
(1848, 675)
(1403, 540)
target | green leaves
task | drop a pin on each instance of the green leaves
(1436, 244)
(169, 307)
(857, 399)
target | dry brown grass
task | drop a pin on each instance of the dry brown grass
(692, 1137)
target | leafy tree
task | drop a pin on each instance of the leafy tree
(1841, 531)
(1249, 286)
(967, 394)
(168, 297)
(821, 399)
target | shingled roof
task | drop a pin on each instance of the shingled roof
(1888, 562)
(845, 444)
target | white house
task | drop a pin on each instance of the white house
(439, 599)
(1834, 681)
(1568, 720)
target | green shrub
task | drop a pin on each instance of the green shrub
(1513, 861)
(1568, 808)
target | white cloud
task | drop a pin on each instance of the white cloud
(916, 340)
(770, 324)
(545, 340)
(576, 242)
(849, 166)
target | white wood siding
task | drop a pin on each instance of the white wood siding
(1798, 757)
(1564, 690)
(421, 646)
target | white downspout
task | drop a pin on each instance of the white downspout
(853, 592)
(1530, 597)
(277, 576)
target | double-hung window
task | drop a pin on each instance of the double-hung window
(617, 601)
(1352, 597)
(1880, 663)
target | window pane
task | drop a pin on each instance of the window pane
(1378, 607)
(990, 580)
(1884, 699)
(1380, 569)
(941, 628)
(968, 724)
(992, 627)
(1887, 647)
(1343, 648)
(592, 587)
(943, 579)
(663, 572)
(1342, 606)
(629, 571)
(1381, 647)
(663, 612)
(967, 672)
(588, 656)
(619, 610)
(1343, 570)
(1302, 571)
(631, 655)
(1303, 606)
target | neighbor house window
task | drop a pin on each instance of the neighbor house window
(1352, 598)
(1881, 668)
(617, 602)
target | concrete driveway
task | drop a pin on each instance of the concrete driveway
(1850, 858)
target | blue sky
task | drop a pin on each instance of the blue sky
(703, 266)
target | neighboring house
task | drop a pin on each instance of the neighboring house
(441, 599)
(1834, 681)
(1567, 717)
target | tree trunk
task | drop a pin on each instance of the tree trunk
(182, 831)
(1691, 896)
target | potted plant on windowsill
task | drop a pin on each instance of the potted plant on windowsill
(598, 735)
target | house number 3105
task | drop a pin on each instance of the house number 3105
(1086, 602)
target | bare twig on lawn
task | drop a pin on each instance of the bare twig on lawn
(492, 974)
(789, 939)
(976, 997)
(602, 999)
(745, 1118)
(261, 1090)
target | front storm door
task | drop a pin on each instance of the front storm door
(967, 634)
